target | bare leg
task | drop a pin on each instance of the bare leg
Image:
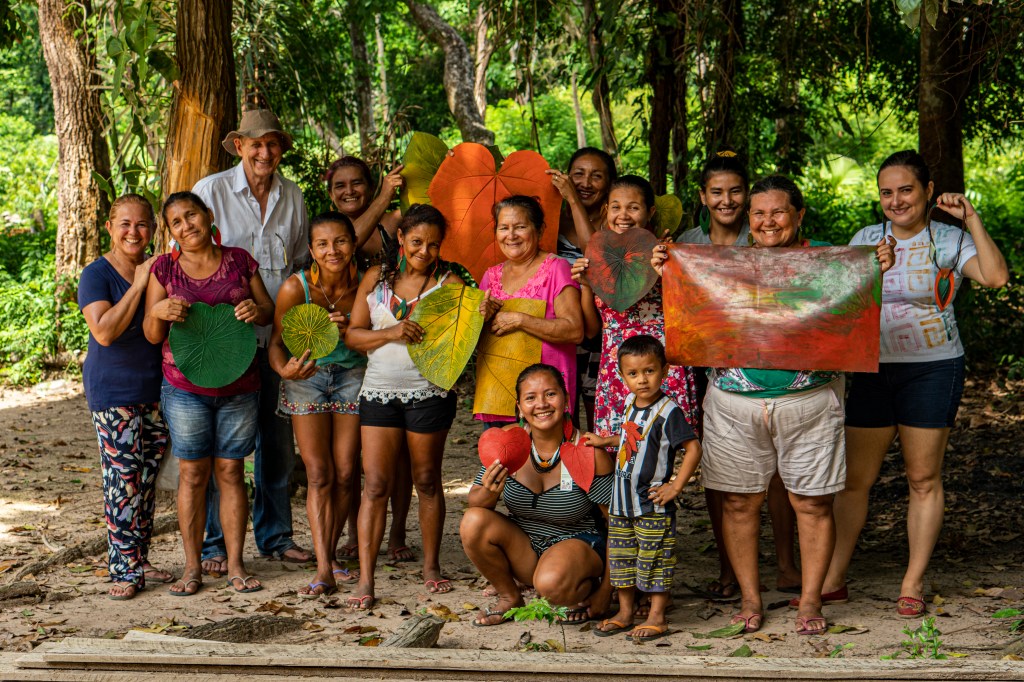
(379, 471)
(817, 540)
(502, 553)
(345, 453)
(783, 525)
(726, 576)
(234, 513)
(741, 526)
(865, 452)
(193, 477)
(356, 493)
(313, 433)
(923, 451)
(425, 453)
(401, 500)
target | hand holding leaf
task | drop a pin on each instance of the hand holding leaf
(341, 320)
(299, 368)
(406, 331)
(170, 310)
(495, 477)
(490, 306)
(506, 323)
(579, 268)
(658, 257)
(246, 311)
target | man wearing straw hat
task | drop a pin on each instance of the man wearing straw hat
(262, 212)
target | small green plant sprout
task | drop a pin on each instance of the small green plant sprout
(922, 642)
(1016, 625)
(839, 650)
(539, 609)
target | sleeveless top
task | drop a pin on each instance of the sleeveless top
(390, 372)
(342, 355)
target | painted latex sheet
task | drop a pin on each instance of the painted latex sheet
(792, 308)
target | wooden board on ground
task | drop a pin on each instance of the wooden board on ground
(254, 660)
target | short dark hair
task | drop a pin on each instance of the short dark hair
(348, 162)
(179, 197)
(782, 184)
(725, 161)
(331, 217)
(540, 368)
(636, 182)
(605, 157)
(642, 345)
(423, 214)
(529, 204)
(908, 158)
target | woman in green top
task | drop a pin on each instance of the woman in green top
(322, 396)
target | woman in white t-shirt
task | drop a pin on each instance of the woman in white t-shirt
(917, 389)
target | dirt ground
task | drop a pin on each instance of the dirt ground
(50, 498)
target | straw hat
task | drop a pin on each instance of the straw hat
(257, 123)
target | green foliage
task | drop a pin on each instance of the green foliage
(922, 642)
(540, 609)
(839, 650)
(1017, 624)
(28, 177)
(24, 80)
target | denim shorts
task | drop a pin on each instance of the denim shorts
(429, 415)
(333, 389)
(202, 426)
(925, 395)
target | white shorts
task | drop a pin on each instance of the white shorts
(746, 440)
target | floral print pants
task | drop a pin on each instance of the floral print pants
(132, 440)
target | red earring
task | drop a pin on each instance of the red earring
(216, 234)
(175, 251)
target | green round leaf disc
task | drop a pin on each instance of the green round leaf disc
(211, 347)
(308, 326)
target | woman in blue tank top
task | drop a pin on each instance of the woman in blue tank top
(322, 396)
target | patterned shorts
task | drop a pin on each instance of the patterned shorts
(333, 389)
(641, 551)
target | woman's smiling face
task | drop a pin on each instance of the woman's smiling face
(627, 209)
(773, 219)
(542, 401)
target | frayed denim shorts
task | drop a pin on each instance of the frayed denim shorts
(204, 426)
(332, 390)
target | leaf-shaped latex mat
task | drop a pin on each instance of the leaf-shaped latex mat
(452, 323)
(211, 347)
(579, 460)
(620, 269)
(308, 326)
(509, 446)
(422, 158)
(465, 189)
(668, 215)
(500, 359)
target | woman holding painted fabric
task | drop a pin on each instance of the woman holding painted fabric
(212, 429)
(122, 386)
(350, 186)
(529, 272)
(916, 392)
(322, 396)
(398, 405)
(758, 422)
(585, 190)
(724, 184)
(554, 535)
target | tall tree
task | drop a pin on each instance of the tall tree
(78, 121)
(666, 34)
(722, 115)
(599, 68)
(364, 85)
(459, 72)
(204, 109)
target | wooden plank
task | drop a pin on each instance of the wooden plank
(249, 659)
(143, 636)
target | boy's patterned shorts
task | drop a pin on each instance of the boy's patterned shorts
(641, 551)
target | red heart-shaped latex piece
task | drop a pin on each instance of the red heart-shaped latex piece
(465, 189)
(620, 269)
(511, 447)
(579, 460)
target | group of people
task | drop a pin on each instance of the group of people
(591, 517)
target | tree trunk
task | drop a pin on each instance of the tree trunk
(364, 86)
(598, 63)
(382, 72)
(82, 147)
(722, 111)
(204, 109)
(943, 85)
(482, 59)
(661, 76)
(680, 114)
(581, 131)
(459, 80)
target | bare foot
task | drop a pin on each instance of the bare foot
(215, 566)
(155, 574)
(123, 591)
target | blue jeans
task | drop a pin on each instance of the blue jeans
(274, 461)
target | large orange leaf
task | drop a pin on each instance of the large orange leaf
(465, 189)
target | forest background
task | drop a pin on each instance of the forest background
(100, 97)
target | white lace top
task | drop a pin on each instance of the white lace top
(390, 372)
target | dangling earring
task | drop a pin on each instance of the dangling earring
(175, 251)
(945, 285)
(216, 234)
(314, 273)
(704, 219)
(401, 258)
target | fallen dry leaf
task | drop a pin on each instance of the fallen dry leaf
(359, 629)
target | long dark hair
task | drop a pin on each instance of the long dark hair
(605, 157)
(179, 197)
(541, 368)
(418, 214)
(725, 161)
(910, 159)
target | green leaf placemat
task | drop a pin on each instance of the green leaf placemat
(211, 347)
(308, 326)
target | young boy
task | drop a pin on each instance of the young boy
(641, 520)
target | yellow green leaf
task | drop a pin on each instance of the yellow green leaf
(668, 215)
(500, 359)
(308, 326)
(452, 323)
(423, 156)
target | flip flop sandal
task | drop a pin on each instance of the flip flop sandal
(619, 627)
(364, 603)
(220, 559)
(910, 607)
(490, 613)
(751, 623)
(245, 589)
(150, 571)
(134, 587)
(576, 611)
(804, 625)
(442, 586)
(348, 553)
(313, 594)
(840, 596)
(400, 554)
(344, 575)
(657, 632)
(185, 592)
